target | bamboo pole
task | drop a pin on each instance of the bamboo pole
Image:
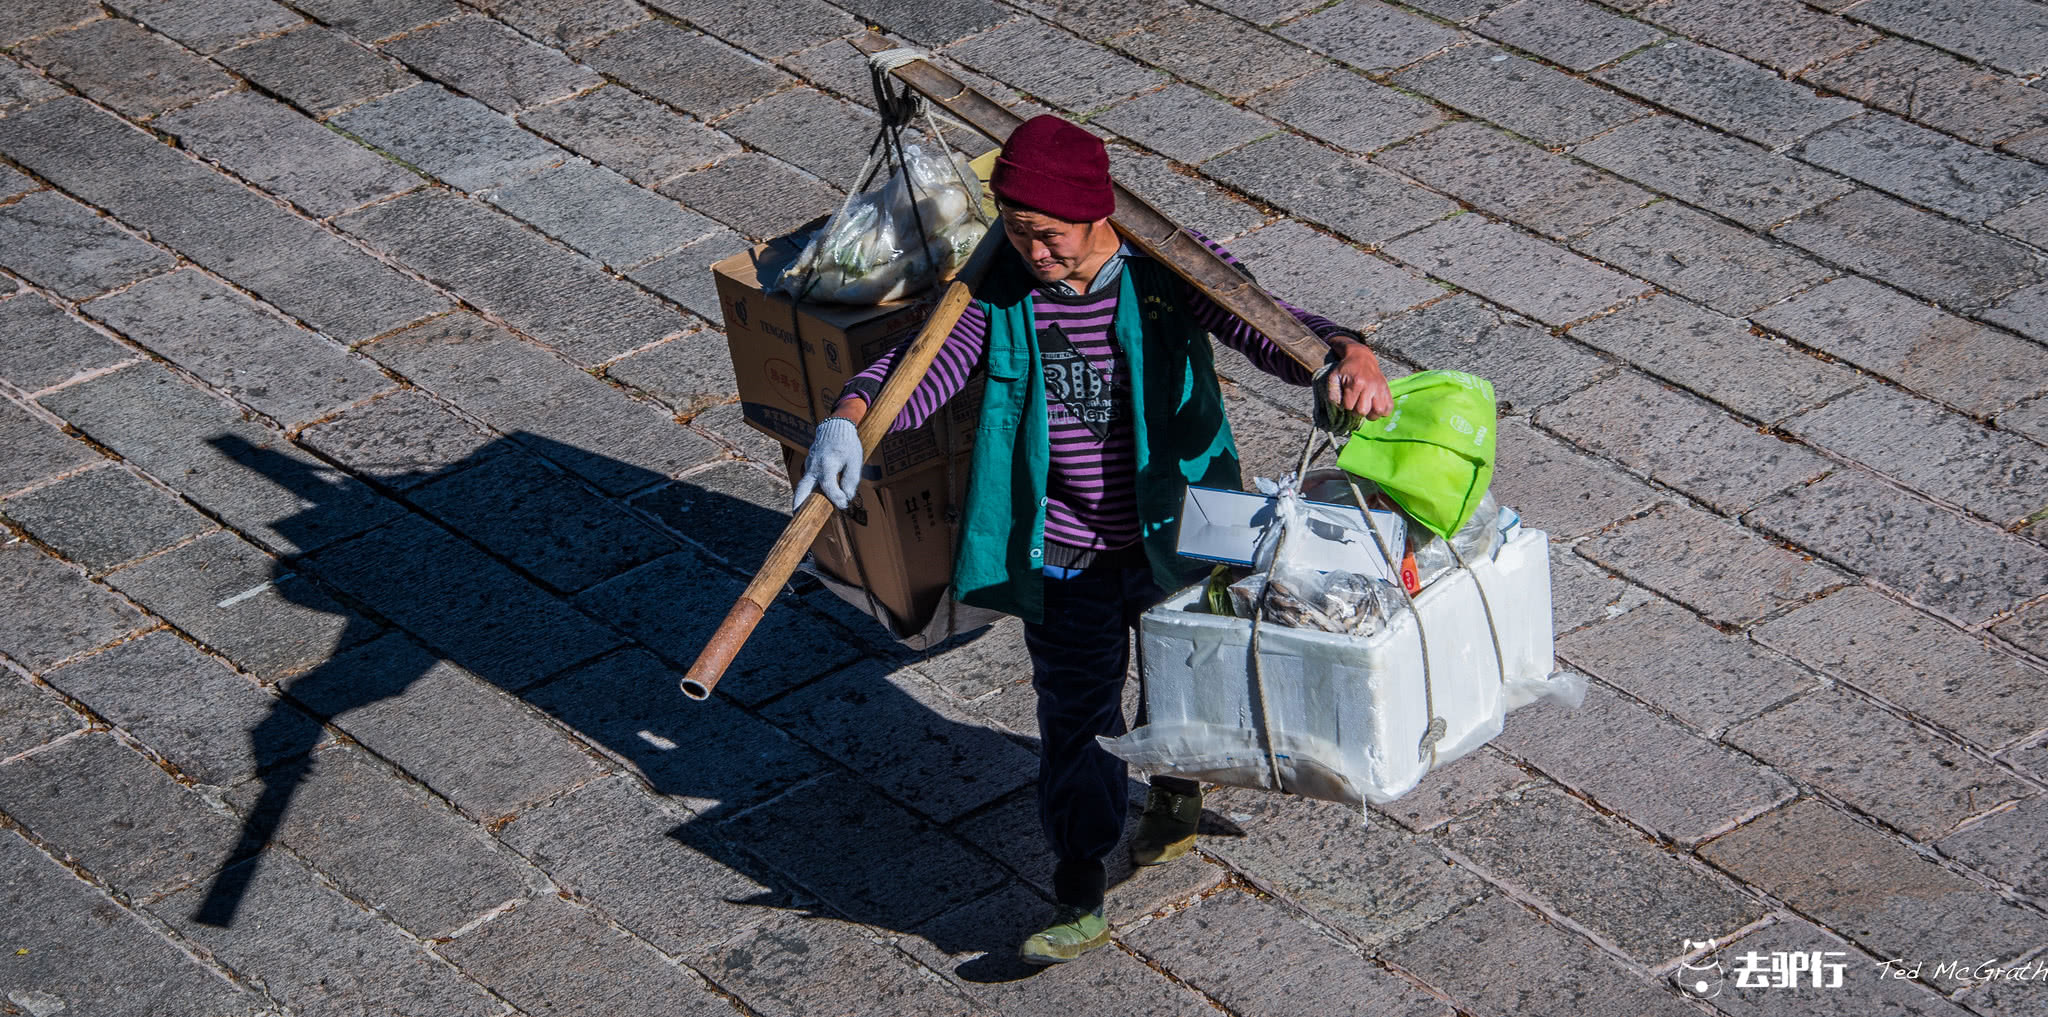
(802, 530)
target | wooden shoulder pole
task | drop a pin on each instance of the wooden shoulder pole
(802, 530)
(1147, 228)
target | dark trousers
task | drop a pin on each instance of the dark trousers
(1079, 655)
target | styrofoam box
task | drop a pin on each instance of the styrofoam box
(1349, 713)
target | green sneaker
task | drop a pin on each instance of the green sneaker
(1166, 829)
(1072, 933)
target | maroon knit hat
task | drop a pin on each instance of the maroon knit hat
(1052, 166)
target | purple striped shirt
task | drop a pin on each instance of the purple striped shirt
(1091, 499)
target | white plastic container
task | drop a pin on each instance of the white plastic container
(1349, 714)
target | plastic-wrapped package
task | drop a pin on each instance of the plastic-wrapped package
(1304, 598)
(870, 251)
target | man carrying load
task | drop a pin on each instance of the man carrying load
(1101, 406)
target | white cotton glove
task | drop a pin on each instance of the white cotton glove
(833, 467)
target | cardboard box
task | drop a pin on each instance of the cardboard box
(901, 535)
(791, 360)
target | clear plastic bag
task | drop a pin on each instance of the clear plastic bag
(1290, 590)
(1478, 539)
(871, 251)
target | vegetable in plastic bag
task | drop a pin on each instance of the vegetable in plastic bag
(871, 252)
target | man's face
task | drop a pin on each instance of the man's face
(1054, 249)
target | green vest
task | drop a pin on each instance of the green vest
(1181, 436)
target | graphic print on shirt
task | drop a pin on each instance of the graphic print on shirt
(1073, 381)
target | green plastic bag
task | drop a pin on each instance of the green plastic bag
(1434, 454)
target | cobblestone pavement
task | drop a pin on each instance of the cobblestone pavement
(370, 463)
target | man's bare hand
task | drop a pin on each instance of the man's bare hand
(1355, 383)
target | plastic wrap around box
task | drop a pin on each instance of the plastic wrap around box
(1349, 713)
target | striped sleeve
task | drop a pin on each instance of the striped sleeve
(957, 359)
(1239, 335)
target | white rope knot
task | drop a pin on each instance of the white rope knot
(890, 59)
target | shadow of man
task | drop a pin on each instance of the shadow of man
(818, 771)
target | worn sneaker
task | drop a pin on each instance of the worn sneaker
(1166, 829)
(1072, 933)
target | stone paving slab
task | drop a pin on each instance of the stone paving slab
(1694, 255)
(238, 470)
(317, 69)
(242, 349)
(1183, 123)
(287, 153)
(1347, 110)
(554, 410)
(457, 599)
(1514, 180)
(1056, 66)
(319, 953)
(266, 616)
(1598, 873)
(304, 270)
(1339, 281)
(1369, 35)
(1274, 963)
(1918, 346)
(1924, 167)
(394, 698)
(1549, 971)
(1221, 53)
(760, 196)
(210, 25)
(1696, 558)
(491, 63)
(797, 965)
(932, 874)
(1676, 784)
(41, 345)
(1934, 88)
(2006, 34)
(1908, 658)
(862, 717)
(692, 72)
(1877, 890)
(1881, 237)
(1727, 92)
(552, 956)
(54, 613)
(175, 699)
(383, 841)
(1993, 474)
(713, 761)
(62, 246)
(1574, 35)
(1372, 881)
(1529, 275)
(80, 951)
(1297, 175)
(1707, 679)
(1528, 98)
(1682, 442)
(687, 890)
(449, 136)
(1780, 34)
(100, 805)
(1878, 763)
(637, 137)
(123, 65)
(1745, 182)
(1854, 518)
(30, 717)
(1719, 356)
(401, 440)
(1558, 489)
